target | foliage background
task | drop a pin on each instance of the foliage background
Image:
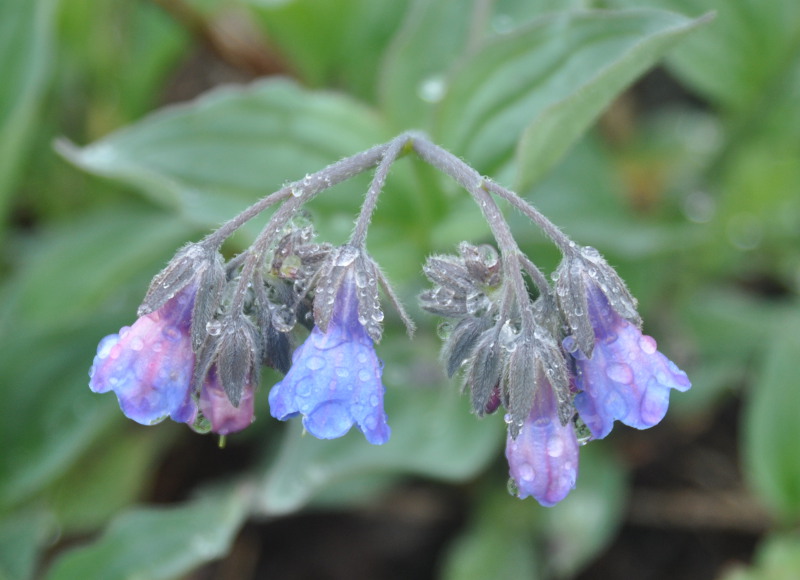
(686, 176)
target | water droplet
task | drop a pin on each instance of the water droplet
(214, 327)
(432, 89)
(303, 387)
(283, 319)
(374, 400)
(570, 344)
(362, 357)
(342, 372)
(648, 344)
(364, 375)
(508, 418)
(377, 315)
(347, 255)
(555, 447)
(526, 472)
(620, 372)
(699, 207)
(361, 279)
(512, 487)
(590, 253)
(172, 333)
(315, 363)
(137, 344)
(371, 422)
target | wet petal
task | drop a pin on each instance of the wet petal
(543, 459)
(220, 412)
(335, 379)
(626, 379)
(149, 365)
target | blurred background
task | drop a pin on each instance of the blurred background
(668, 140)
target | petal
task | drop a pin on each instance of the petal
(543, 459)
(217, 408)
(334, 383)
(149, 365)
(626, 379)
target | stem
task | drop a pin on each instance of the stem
(558, 237)
(308, 188)
(298, 193)
(475, 184)
(395, 148)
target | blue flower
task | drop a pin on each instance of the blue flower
(626, 378)
(543, 459)
(149, 365)
(335, 378)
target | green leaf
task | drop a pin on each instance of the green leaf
(433, 434)
(159, 543)
(777, 558)
(500, 541)
(214, 156)
(332, 43)
(80, 281)
(26, 36)
(584, 524)
(537, 89)
(108, 477)
(22, 535)
(771, 429)
(739, 56)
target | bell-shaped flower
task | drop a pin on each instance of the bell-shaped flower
(543, 458)
(149, 365)
(335, 377)
(217, 408)
(626, 378)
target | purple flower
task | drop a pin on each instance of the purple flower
(220, 412)
(149, 365)
(626, 378)
(543, 459)
(335, 378)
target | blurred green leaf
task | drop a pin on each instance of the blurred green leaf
(26, 36)
(212, 157)
(771, 429)
(740, 56)
(159, 543)
(584, 524)
(777, 558)
(22, 535)
(73, 289)
(537, 89)
(433, 434)
(433, 35)
(332, 43)
(107, 478)
(499, 542)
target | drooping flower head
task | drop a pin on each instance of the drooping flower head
(620, 375)
(151, 365)
(543, 458)
(335, 378)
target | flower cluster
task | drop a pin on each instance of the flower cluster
(565, 360)
(570, 361)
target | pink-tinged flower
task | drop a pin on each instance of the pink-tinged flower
(149, 365)
(543, 459)
(335, 378)
(626, 378)
(220, 412)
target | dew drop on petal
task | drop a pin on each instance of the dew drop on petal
(555, 447)
(526, 472)
(364, 375)
(362, 357)
(648, 344)
(342, 372)
(315, 363)
(620, 372)
(137, 344)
